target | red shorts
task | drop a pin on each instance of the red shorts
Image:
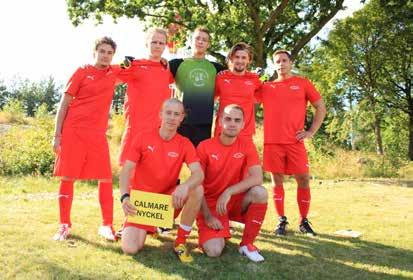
(234, 213)
(286, 158)
(149, 229)
(83, 154)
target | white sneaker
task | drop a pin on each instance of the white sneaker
(62, 233)
(251, 252)
(107, 232)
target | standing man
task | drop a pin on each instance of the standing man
(157, 158)
(285, 104)
(238, 86)
(233, 191)
(80, 136)
(148, 87)
(195, 80)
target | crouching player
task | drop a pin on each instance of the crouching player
(157, 158)
(232, 186)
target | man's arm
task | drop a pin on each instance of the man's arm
(210, 220)
(174, 64)
(254, 178)
(60, 117)
(124, 178)
(181, 191)
(320, 113)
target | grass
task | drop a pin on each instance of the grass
(381, 210)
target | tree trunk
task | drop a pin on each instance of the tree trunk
(259, 50)
(411, 136)
(377, 133)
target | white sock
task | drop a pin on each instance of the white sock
(185, 227)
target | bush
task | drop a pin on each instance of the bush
(27, 149)
(13, 112)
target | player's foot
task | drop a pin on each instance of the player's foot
(251, 252)
(306, 228)
(182, 253)
(281, 228)
(118, 233)
(163, 231)
(62, 233)
(107, 232)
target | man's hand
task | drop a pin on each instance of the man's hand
(56, 143)
(179, 196)
(165, 63)
(303, 134)
(128, 208)
(222, 202)
(127, 62)
(214, 223)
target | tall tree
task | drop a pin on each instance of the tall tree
(369, 57)
(266, 25)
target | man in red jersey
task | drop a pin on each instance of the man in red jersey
(80, 136)
(148, 87)
(232, 187)
(157, 157)
(238, 86)
(285, 103)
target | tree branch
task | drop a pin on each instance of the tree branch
(273, 16)
(305, 39)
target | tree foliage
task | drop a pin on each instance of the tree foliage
(266, 25)
(33, 94)
(365, 71)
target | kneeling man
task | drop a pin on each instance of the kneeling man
(157, 158)
(232, 187)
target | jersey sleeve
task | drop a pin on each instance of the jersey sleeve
(259, 94)
(73, 85)
(203, 157)
(217, 92)
(311, 92)
(252, 155)
(174, 65)
(133, 152)
(190, 153)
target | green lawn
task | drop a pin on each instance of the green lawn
(381, 210)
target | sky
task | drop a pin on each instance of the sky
(38, 39)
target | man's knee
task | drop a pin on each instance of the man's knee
(259, 194)
(130, 249)
(303, 180)
(197, 193)
(277, 178)
(213, 251)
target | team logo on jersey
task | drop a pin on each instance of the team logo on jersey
(173, 154)
(273, 86)
(144, 67)
(248, 83)
(294, 87)
(151, 148)
(238, 155)
(227, 81)
(198, 77)
(214, 156)
(90, 77)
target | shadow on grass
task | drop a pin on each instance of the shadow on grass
(56, 271)
(293, 257)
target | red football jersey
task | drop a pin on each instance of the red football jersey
(224, 165)
(285, 105)
(237, 89)
(92, 90)
(158, 162)
(148, 87)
